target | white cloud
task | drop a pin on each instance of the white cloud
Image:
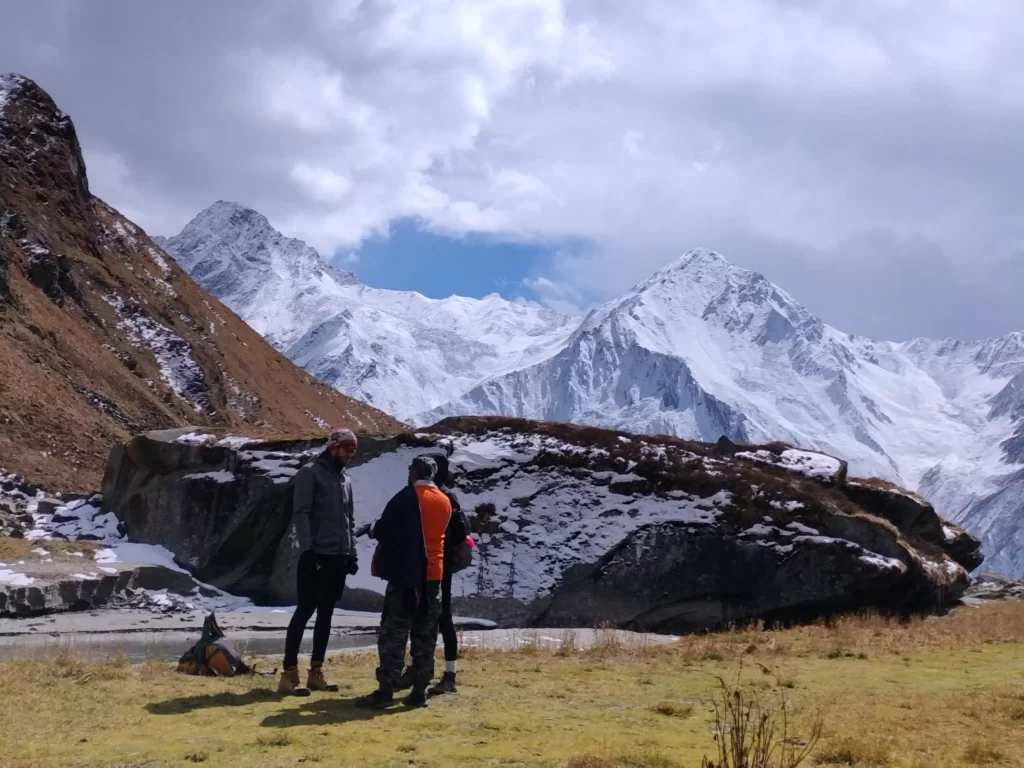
(560, 296)
(778, 131)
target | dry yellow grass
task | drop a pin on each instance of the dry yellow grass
(21, 549)
(934, 693)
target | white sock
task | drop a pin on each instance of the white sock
(449, 666)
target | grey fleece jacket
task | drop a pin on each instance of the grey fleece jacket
(322, 508)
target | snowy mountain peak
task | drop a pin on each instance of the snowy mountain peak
(707, 288)
(225, 232)
(229, 219)
(232, 250)
(399, 350)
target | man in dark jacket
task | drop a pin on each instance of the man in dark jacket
(410, 558)
(323, 515)
(454, 535)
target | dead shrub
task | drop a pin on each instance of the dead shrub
(753, 734)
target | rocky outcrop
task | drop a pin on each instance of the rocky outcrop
(60, 587)
(66, 554)
(990, 586)
(221, 504)
(575, 525)
(671, 577)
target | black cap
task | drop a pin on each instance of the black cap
(442, 476)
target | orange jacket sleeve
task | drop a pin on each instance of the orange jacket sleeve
(435, 509)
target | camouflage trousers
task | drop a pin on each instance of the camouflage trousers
(407, 616)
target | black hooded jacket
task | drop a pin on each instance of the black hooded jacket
(458, 524)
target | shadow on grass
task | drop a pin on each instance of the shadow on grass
(326, 712)
(185, 704)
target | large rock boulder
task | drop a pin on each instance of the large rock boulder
(220, 503)
(575, 525)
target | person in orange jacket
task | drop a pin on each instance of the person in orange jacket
(410, 558)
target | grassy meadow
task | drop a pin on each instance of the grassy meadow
(861, 691)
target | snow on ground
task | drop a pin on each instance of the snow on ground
(234, 441)
(808, 463)
(172, 353)
(9, 84)
(14, 578)
(193, 438)
(217, 476)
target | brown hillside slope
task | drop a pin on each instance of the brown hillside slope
(102, 335)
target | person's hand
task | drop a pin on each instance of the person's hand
(351, 565)
(365, 530)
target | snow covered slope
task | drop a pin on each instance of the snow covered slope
(701, 349)
(400, 351)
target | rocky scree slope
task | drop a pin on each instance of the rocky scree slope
(61, 554)
(701, 349)
(398, 350)
(102, 335)
(575, 525)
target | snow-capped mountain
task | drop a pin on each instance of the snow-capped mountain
(398, 350)
(701, 349)
(705, 348)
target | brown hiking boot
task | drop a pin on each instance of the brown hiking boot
(289, 685)
(315, 680)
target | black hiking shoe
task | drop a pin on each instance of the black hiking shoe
(446, 685)
(405, 681)
(418, 698)
(382, 698)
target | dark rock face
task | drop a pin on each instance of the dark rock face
(915, 516)
(51, 273)
(223, 512)
(6, 296)
(671, 578)
(221, 527)
(39, 151)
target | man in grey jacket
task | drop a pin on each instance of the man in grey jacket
(322, 511)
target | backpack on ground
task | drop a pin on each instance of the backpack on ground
(212, 656)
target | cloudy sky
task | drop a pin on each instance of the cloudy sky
(866, 155)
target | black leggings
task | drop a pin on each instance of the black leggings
(320, 580)
(451, 640)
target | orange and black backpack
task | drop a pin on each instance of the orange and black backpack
(211, 656)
